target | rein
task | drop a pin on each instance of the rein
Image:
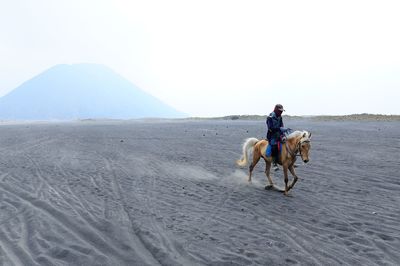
(297, 150)
(293, 154)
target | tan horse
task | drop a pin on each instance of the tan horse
(297, 142)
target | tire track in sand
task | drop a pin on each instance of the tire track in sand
(174, 255)
(217, 209)
(15, 253)
(90, 233)
(118, 191)
(85, 234)
(173, 248)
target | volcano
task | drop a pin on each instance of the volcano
(81, 91)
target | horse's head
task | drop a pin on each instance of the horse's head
(305, 145)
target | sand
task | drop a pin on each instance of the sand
(169, 193)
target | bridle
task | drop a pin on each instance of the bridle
(297, 150)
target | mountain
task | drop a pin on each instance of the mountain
(81, 91)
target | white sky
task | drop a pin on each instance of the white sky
(218, 57)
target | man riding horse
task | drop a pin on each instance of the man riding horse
(280, 147)
(275, 130)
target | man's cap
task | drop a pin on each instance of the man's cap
(279, 107)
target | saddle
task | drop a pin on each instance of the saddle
(269, 150)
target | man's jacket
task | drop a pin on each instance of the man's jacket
(274, 128)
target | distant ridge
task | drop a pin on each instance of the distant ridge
(352, 117)
(81, 91)
(359, 117)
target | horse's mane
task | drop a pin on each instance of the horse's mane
(294, 134)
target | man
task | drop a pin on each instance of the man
(274, 131)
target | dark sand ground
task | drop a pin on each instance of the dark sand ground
(148, 193)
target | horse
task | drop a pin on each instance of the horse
(298, 142)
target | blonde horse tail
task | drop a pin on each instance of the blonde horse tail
(247, 145)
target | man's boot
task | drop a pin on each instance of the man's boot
(275, 157)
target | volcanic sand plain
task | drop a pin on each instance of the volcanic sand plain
(169, 193)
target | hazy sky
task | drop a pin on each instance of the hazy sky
(211, 58)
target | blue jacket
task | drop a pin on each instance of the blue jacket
(274, 128)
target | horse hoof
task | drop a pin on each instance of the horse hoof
(268, 187)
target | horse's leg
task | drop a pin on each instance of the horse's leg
(285, 173)
(256, 158)
(268, 172)
(295, 177)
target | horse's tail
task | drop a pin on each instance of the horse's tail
(247, 145)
